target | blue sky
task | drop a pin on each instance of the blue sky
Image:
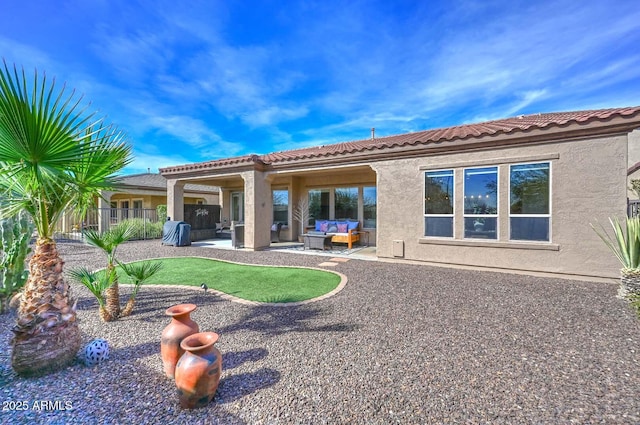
(192, 81)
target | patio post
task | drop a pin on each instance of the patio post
(104, 211)
(175, 199)
(258, 209)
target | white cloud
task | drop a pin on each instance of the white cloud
(187, 77)
(145, 161)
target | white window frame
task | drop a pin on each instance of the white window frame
(496, 215)
(548, 215)
(453, 213)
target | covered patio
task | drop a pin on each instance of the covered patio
(258, 194)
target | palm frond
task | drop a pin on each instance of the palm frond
(95, 282)
(140, 272)
(109, 240)
(53, 155)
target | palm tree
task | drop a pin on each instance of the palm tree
(139, 273)
(97, 284)
(109, 242)
(53, 156)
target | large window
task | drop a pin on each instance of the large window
(438, 203)
(137, 208)
(281, 206)
(124, 209)
(370, 206)
(346, 204)
(481, 203)
(237, 206)
(318, 205)
(529, 201)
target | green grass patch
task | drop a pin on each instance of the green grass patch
(253, 283)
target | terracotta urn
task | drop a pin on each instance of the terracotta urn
(181, 326)
(198, 370)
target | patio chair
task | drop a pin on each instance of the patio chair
(275, 232)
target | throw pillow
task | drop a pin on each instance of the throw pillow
(352, 225)
(324, 226)
(332, 229)
(342, 227)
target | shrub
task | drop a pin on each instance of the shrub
(161, 210)
(625, 243)
(143, 228)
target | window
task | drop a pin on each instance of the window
(369, 207)
(438, 203)
(124, 209)
(237, 206)
(481, 203)
(281, 206)
(346, 204)
(137, 208)
(318, 205)
(113, 212)
(529, 201)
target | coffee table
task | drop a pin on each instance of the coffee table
(320, 241)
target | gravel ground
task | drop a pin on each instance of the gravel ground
(409, 344)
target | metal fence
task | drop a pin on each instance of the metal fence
(146, 223)
(633, 208)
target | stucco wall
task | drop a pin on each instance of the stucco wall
(634, 148)
(588, 181)
(634, 158)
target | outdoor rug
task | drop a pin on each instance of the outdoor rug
(336, 250)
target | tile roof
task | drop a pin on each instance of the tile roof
(157, 181)
(514, 125)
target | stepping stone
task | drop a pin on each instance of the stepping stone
(339, 260)
(327, 264)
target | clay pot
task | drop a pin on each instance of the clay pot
(198, 370)
(181, 326)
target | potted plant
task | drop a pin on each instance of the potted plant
(301, 215)
(625, 245)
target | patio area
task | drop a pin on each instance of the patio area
(361, 252)
(401, 343)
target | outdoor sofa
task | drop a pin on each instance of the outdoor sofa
(343, 231)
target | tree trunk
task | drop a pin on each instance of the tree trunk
(47, 336)
(104, 314)
(113, 296)
(126, 311)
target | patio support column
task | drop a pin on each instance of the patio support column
(104, 211)
(175, 199)
(258, 210)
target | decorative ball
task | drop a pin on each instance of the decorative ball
(96, 352)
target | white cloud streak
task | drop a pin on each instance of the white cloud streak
(186, 76)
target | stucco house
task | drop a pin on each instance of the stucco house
(148, 190)
(515, 194)
(138, 196)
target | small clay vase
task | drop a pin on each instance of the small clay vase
(198, 370)
(181, 326)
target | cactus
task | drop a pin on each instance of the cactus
(15, 234)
